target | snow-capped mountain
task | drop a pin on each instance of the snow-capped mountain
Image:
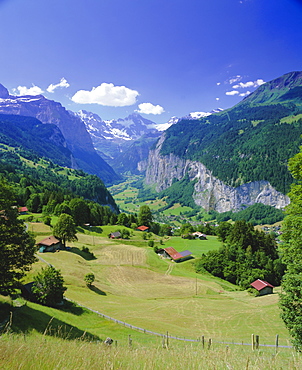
(112, 138)
(123, 129)
(192, 115)
(78, 140)
(125, 142)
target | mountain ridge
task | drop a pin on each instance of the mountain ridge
(248, 143)
(77, 138)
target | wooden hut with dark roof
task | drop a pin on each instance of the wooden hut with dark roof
(49, 244)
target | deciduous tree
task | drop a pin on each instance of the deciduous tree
(291, 296)
(65, 229)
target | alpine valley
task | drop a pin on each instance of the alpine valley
(222, 161)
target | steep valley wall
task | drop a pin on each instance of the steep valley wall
(209, 192)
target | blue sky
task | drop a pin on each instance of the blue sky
(162, 58)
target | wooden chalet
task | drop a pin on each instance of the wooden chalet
(142, 228)
(115, 235)
(22, 210)
(171, 253)
(49, 244)
(263, 287)
(199, 235)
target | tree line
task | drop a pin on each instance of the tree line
(246, 255)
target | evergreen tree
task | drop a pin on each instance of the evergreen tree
(17, 246)
(291, 296)
(145, 216)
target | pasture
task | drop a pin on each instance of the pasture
(136, 286)
(48, 353)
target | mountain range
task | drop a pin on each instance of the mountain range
(237, 157)
(226, 159)
(76, 138)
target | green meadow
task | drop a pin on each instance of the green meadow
(137, 287)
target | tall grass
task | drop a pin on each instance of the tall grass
(45, 353)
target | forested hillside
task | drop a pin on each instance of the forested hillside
(30, 133)
(42, 185)
(249, 142)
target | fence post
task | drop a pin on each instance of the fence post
(129, 340)
(167, 339)
(163, 342)
(210, 343)
(257, 341)
(277, 342)
(202, 341)
(253, 342)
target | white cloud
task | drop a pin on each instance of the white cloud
(34, 90)
(233, 92)
(63, 83)
(242, 85)
(260, 82)
(148, 108)
(245, 93)
(218, 83)
(235, 79)
(217, 98)
(107, 95)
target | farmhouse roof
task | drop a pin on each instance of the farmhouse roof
(185, 253)
(22, 209)
(261, 284)
(142, 228)
(176, 255)
(51, 240)
(116, 234)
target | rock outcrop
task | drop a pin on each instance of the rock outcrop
(209, 192)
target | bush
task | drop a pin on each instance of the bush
(48, 286)
(156, 249)
(87, 251)
(47, 220)
(89, 279)
(151, 243)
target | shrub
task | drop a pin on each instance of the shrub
(89, 279)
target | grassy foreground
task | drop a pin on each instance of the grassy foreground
(136, 286)
(48, 353)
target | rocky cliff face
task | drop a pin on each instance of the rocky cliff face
(210, 192)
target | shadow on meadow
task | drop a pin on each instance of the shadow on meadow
(26, 318)
(97, 290)
(84, 253)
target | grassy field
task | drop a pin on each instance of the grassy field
(196, 246)
(136, 286)
(49, 353)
